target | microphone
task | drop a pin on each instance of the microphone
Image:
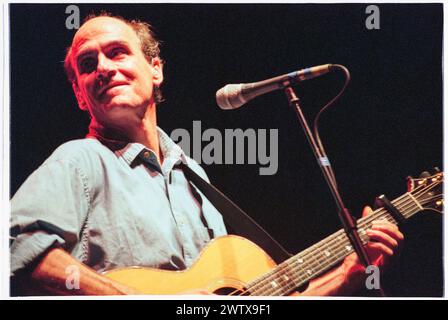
(233, 96)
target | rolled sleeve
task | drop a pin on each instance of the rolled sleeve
(27, 247)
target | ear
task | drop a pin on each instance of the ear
(81, 102)
(157, 71)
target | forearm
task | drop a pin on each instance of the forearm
(57, 266)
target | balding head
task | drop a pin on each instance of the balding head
(112, 77)
(149, 45)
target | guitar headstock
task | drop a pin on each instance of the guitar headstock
(428, 190)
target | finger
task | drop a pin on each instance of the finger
(383, 237)
(384, 222)
(379, 248)
(366, 211)
(388, 228)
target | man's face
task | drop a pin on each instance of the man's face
(114, 81)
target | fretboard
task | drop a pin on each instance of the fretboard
(308, 264)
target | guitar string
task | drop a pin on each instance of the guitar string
(272, 291)
(313, 248)
(316, 262)
(340, 253)
(366, 222)
(373, 216)
(281, 290)
(284, 268)
(328, 265)
(328, 243)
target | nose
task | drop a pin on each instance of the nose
(105, 69)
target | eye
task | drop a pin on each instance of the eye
(117, 52)
(87, 65)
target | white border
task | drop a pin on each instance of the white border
(445, 138)
(5, 169)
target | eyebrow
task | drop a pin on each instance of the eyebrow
(113, 43)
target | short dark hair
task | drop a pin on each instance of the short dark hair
(149, 44)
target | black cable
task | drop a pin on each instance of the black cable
(323, 109)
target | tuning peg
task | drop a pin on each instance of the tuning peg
(425, 174)
(436, 170)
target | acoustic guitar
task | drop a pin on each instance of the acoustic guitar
(232, 265)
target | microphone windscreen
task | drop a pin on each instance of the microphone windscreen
(229, 97)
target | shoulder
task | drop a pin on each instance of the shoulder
(82, 157)
(81, 160)
(72, 165)
(79, 151)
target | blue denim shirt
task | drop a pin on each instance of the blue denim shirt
(113, 208)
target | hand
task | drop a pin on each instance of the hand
(384, 244)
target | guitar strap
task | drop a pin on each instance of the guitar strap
(240, 222)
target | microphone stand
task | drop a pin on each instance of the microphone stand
(345, 217)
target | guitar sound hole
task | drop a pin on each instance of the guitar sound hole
(227, 291)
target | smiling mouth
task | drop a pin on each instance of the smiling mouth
(109, 87)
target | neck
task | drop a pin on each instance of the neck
(143, 131)
(146, 133)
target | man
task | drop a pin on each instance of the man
(118, 198)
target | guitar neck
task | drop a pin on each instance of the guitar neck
(308, 264)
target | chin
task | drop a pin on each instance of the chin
(123, 102)
(122, 113)
(122, 106)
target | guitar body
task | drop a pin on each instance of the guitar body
(226, 264)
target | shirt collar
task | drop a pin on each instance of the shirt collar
(172, 153)
(129, 151)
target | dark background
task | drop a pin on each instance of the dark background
(387, 125)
